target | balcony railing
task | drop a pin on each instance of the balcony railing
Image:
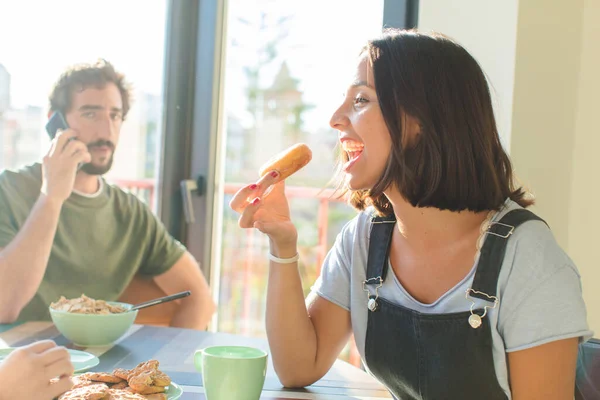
(324, 196)
(145, 190)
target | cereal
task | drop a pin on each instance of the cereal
(86, 305)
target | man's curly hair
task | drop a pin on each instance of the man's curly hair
(81, 76)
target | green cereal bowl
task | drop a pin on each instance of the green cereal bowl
(86, 330)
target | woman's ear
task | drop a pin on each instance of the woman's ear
(414, 126)
(411, 128)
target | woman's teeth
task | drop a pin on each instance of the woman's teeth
(353, 154)
(353, 149)
(349, 146)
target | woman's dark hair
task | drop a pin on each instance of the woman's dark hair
(82, 76)
(456, 162)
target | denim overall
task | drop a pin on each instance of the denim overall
(436, 356)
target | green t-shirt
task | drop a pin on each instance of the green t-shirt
(100, 244)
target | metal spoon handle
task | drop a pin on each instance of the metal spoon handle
(160, 300)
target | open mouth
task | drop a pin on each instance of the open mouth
(354, 150)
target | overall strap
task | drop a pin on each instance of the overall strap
(485, 281)
(382, 229)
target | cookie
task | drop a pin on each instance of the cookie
(122, 373)
(151, 365)
(92, 392)
(101, 377)
(141, 381)
(156, 396)
(159, 378)
(116, 394)
(120, 385)
(81, 382)
(152, 390)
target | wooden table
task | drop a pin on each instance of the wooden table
(175, 348)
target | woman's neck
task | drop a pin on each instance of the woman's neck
(427, 227)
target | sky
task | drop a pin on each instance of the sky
(39, 39)
(324, 38)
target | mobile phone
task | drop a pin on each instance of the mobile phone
(57, 121)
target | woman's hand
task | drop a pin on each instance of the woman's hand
(264, 206)
(27, 372)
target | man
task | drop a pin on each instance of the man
(64, 231)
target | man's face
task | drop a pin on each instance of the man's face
(96, 115)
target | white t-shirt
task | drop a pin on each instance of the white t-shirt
(539, 290)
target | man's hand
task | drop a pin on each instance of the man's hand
(26, 373)
(24, 260)
(60, 165)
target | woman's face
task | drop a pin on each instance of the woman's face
(362, 131)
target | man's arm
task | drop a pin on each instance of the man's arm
(23, 261)
(194, 311)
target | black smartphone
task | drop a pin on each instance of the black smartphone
(57, 121)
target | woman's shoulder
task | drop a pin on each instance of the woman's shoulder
(359, 225)
(354, 234)
(533, 252)
(540, 290)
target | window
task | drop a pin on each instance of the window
(286, 70)
(40, 39)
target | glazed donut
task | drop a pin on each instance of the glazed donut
(288, 161)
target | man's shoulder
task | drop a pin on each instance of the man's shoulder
(125, 199)
(21, 180)
(31, 171)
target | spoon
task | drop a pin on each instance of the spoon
(160, 300)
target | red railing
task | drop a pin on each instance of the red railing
(325, 196)
(145, 189)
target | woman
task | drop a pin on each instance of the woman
(451, 288)
(39, 371)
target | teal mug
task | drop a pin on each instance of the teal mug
(232, 372)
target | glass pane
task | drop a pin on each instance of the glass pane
(287, 67)
(40, 39)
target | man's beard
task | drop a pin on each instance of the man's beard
(92, 169)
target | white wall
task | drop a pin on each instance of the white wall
(584, 215)
(545, 105)
(488, 30)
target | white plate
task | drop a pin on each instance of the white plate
(81, 360)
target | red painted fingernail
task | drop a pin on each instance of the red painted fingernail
(256, 201)
(253, 186)
(274, 174)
